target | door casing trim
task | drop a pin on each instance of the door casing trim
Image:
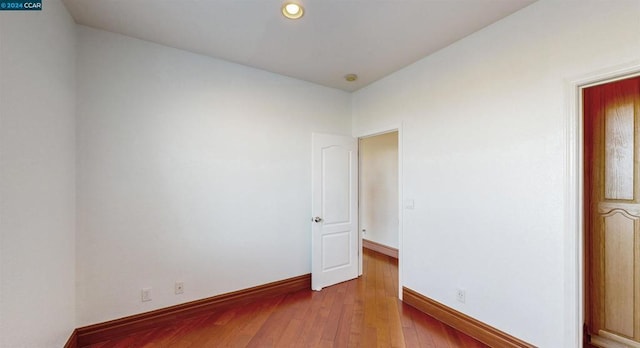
(574, 195)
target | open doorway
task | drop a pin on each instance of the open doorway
(379, 193)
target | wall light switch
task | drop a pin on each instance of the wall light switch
(408, 204)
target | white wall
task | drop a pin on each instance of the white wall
(485, 146)
(190, 169)
(379, 188)
(37, 177)
(186, 169)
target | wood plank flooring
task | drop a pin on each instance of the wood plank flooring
(364, 312)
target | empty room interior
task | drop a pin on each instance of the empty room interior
(154, 154)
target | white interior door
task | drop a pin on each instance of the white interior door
(334, 240)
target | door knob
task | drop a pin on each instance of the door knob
(317, 219)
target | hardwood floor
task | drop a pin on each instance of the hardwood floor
(364, 312)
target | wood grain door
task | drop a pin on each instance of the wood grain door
(612, 213)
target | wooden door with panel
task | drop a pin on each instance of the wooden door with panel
(612, 213)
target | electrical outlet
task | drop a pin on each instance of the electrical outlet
(179, 288)
(145, 294)
(461, 295)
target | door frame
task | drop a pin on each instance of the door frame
(372, 133)
(574, 266)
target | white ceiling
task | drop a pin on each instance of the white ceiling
(371, 38)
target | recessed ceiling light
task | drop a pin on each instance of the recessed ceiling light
(350, 77)
(292, 10)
